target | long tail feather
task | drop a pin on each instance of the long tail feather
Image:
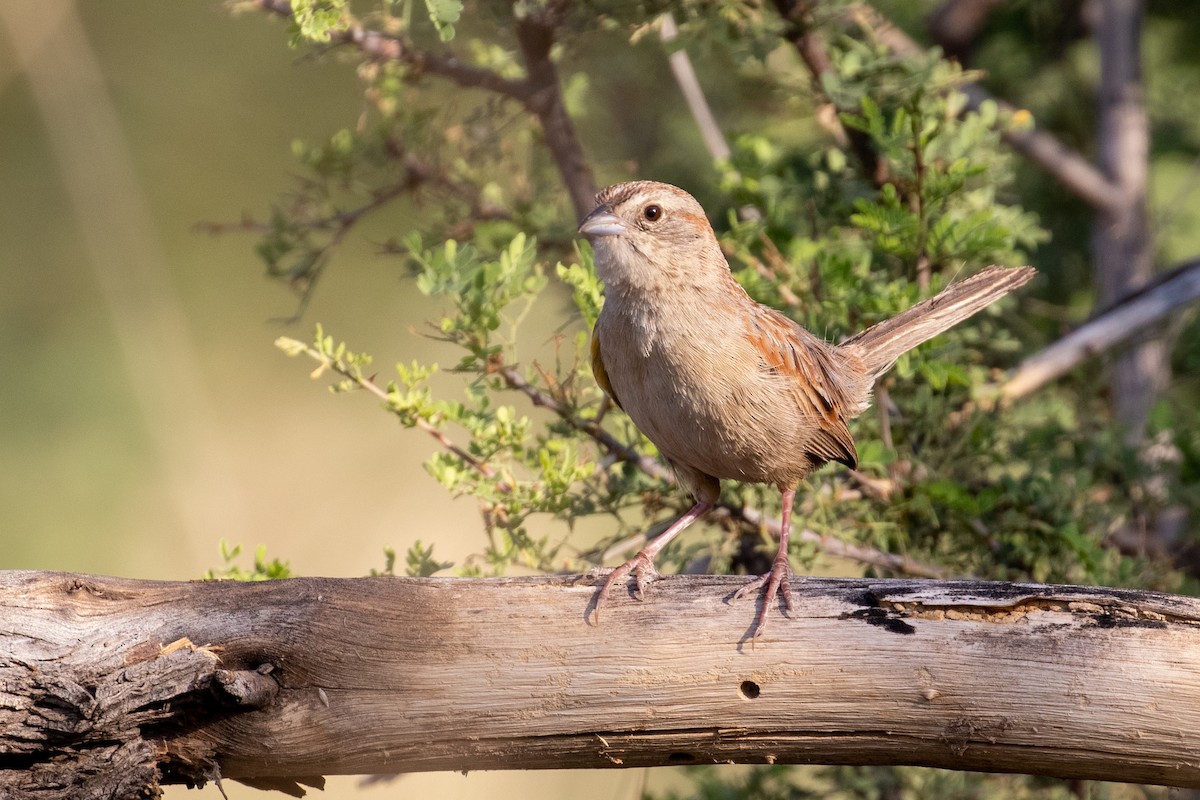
(880, 345)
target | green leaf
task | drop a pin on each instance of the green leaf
(444, 14)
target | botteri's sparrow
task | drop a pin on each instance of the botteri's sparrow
(726, 387)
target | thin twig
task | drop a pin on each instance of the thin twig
(369, 385)
(744, 515)
(416, 174)
(515, 380)
(384, 47)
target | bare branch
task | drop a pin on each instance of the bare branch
(693, 93)
(745, 516)
(535, 37)
(1133, 317)
(367, 384)
(1074, 172)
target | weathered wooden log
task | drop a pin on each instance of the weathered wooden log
(110, 687)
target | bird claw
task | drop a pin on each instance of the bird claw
(777, 581)
(642, 569)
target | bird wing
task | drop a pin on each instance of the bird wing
(599, 371)
(787, 349)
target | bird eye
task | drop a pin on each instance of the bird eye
(652, 212)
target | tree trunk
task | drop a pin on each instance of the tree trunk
(1122, 240)
(109, 687)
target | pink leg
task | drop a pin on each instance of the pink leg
(642, 565)
(779, 578)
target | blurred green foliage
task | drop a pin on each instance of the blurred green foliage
(779, 782)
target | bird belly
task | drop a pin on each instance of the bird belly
(710, 409)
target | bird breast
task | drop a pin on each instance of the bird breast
(694, 384)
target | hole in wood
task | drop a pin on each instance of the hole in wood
(749, 690)
(681, 758)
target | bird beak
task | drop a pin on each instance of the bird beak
(601, 222)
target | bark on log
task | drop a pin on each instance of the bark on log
(109, 687)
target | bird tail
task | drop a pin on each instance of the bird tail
(880, 345)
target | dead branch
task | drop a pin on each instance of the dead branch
(1133, 318)
(692, 91)
(112, 687)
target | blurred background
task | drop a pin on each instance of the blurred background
(147, 414)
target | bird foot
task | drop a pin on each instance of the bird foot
(778, 580)
(640, 566)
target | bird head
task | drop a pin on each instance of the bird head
(646, 234)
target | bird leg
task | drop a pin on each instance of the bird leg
(779, 578)
(641, 566)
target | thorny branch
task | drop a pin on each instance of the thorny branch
(416, 174)
(385, 47)
(369, 385)
(743, 516)
(539, 91)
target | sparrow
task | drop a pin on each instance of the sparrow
(725, 387)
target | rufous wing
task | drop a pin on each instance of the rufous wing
(786, 348)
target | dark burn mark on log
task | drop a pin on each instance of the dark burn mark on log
(1107, 620)
(865, 598)
(881, 618)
